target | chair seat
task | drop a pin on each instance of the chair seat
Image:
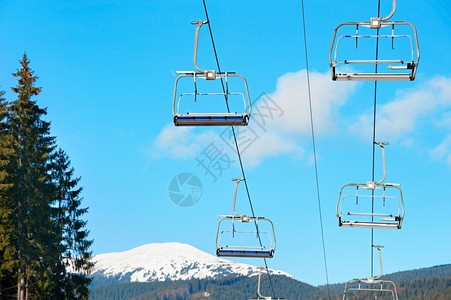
(245, 253)
(361, 224)
(228, 119)
(373, 77)
(268, 298)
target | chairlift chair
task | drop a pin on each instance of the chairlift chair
(210, 119)
(373, 285)
(387, 195)
(264, 240)
(260, 297)
(398, 69)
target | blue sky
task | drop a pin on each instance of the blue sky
(106, 68)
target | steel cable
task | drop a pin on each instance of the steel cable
(374, 142)
(314, 149)
(236, 142)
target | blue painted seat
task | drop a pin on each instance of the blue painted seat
(227, 119)
(244, 253)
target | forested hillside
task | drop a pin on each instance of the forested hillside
(429, 283)
(227, 288)
(425, 283)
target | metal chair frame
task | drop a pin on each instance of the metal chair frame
(376, 23)
(209, 119)
(240, 250)
(372, 281)
(389, 221)
(260, 296)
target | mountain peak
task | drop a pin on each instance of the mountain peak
(166, 261)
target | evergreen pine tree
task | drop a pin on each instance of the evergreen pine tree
(32, 193)
(75, 262)
(7, 253)
(35, 239)
(44, 246)
(5, 148)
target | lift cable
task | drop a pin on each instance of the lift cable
(314, 149)
(236, 143)
(374, 142)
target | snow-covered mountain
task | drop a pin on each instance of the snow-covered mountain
(166, 261)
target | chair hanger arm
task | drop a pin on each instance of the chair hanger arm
(378, 247)
(391, 13)
(381, 144)
(258, 284)
(234, 197)
(196, 42)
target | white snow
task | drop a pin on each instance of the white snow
(169, 261)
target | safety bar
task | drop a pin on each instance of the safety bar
(368, 214)
(210, 94)
(229, 217)
(245, 247)
(372, 61)
(409, 65)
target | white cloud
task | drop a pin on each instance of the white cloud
(443, 85)
(270, 144)
(279, 120)
(179, 142)
(292, 96)
(400, 116)
(283, 128)
(445, 120)
(408, 142)
(443, 151)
